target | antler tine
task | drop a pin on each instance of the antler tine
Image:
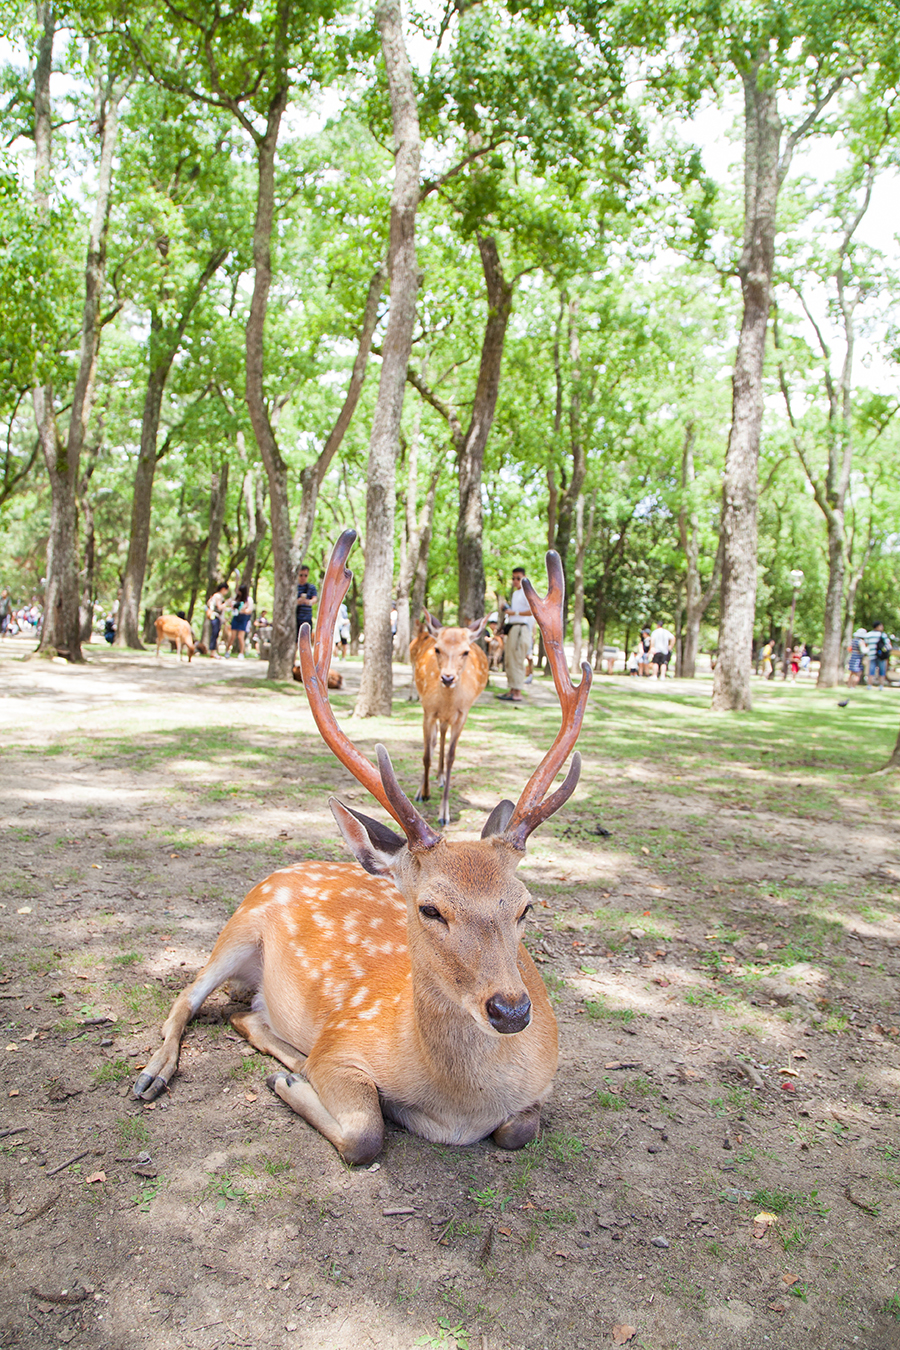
(335, 585)
(531, 809)
(315, 681)
(418, 831)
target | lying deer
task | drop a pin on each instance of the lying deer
(450, 671)
(169, 628)
(399, 988)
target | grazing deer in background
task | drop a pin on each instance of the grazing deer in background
(450, 671)
(169, 628)
(495, 650)
(399, 988)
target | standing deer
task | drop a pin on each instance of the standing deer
(401, 990)
(170, 627)
(450, 671)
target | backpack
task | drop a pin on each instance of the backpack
(882, 648)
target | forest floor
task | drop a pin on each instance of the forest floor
(717, 920)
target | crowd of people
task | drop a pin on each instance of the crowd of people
(24, 619)
(510, 633)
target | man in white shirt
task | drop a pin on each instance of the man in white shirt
(661, 644)
(518, 624)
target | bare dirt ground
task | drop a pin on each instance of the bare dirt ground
(724, 967)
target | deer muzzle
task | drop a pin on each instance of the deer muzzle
(509, 1014)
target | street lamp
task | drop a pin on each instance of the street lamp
(796, 577)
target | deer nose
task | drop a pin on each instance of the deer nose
(448, 680)
(508, 1015)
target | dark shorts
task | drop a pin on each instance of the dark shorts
(240, 623)
(661, 658)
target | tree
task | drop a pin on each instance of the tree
(376, 684)
(796, 54)
(177, 200)
(852, 277)
(62, 623)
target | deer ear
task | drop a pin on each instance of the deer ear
(432, 624)
(477, 628)
(498, 820)
(372, 844)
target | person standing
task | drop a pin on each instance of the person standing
(644, 652)
(859, 651)
(518, 627)
(661, 644)
(5, 608)
(240, 620)
(307, 598)
(215, 606)
(879, 650)
(342, 630)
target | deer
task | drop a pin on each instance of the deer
(172, 629)
(398, 987)
(449, 670)
(495, 650)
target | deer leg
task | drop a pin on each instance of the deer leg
(423, 792)
(158, 1071)
(349, 1117)
(253, 1029)
(520, 1129)
(442, 760)
(444, 817)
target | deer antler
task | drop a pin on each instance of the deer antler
(532, 808)
(383, 786)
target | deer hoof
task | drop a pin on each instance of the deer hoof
(149, 1088)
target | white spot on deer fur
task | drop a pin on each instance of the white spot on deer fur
(284, 895)
(355, 970)
(265, 888)
(376, 921)
(359, 997)
(370, 1012)
(323, 922)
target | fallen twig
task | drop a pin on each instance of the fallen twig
(68, 1163)
(60, 1298)
(19, 1129)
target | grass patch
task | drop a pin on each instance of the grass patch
(115, 1071)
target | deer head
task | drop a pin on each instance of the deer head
(452, 646)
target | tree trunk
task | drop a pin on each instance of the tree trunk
(832, 636)
(569, 496)
(582, 544)
(470, 454)
(376, 684)
(161, 353)
(762, 179)
(62, 621)
(697, 600)
(256, 524)
(312, 477)
(284, 558)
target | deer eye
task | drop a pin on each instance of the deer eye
(526, 911)
(432, 912)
